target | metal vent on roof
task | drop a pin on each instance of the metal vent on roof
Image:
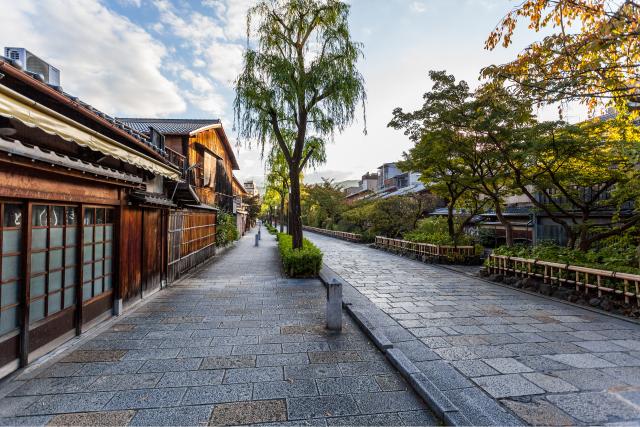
(34, 65)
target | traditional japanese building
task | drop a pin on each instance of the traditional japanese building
(208, 168)
(240, 195)
(84, 211)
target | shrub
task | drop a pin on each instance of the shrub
(271, 229)
(614, 254)
(434, 230)
(226, 229)
(305, 262)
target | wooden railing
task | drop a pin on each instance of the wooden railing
(352, 237)
(175, 158)
(583, 278)
(426, 249)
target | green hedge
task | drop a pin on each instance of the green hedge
(226, 229)
(614, 255)
(271, 229)
(305, 262)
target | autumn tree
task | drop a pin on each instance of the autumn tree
(299, 74)
(592, 54)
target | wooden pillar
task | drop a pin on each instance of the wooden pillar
(80, 270)
(26, 291)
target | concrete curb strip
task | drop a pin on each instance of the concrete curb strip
(432, 395)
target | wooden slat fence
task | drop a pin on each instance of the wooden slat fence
(352, 237)
(426, 249)
(583, 278)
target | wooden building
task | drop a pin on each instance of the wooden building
(84, 215)
(240, 208)
(207, 187)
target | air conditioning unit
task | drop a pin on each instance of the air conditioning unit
(33, 64)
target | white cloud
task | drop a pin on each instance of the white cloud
(104, 58)
(214, 52)
(418, 6)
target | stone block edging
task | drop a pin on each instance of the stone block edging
(425, 388)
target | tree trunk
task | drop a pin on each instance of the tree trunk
(282, 213)
(508, 228)
(450, 225)
(295, 220)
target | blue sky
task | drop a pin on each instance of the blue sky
(178, 58)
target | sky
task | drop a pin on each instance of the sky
(179, 59)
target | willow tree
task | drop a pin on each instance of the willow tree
(299, 74)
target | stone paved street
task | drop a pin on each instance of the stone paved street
(496, 352)
(235, 343)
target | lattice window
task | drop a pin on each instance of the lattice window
(11, 251)
(97, 262)
(54, 237)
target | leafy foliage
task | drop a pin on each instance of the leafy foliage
(390, 217)
(476, 149)
(619, 254)
(434, 230)
(323, 204)
(303, 262)
(226, 229)
(591, 55)
(300, 79)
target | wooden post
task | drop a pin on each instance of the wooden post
(626, 290)
(26, 282)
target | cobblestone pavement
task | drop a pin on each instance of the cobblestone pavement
(546, 362)
(235, 343)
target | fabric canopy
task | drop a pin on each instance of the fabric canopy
(16, 106)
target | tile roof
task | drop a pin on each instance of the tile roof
(140, 137)
(168, 126)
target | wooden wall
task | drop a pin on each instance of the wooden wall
(130, 253)
(142, 250)
(211, 141)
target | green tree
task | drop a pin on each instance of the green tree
(591, 54)
(445, 152)
(323, 204)
(300, 75)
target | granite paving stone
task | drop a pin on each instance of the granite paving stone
(490, 343)
(347, 385)
(232, 342)
(191, 378)
(100, 418)
(146, 398)
(253, 375)
(300, 408)
(508, 385)
(36, 420)
(217, 394)
(183, 415)
(125, 382)
(595, 407)
(73, 402)
(392, 401)
(228, 362)
(239, 413)
(282, 389)
(282, 359)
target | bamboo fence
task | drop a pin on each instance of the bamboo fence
(352, 237)
(440, 252)
(584, 279)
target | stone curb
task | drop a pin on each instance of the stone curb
(429, 392)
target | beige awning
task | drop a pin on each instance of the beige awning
(33, 114)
